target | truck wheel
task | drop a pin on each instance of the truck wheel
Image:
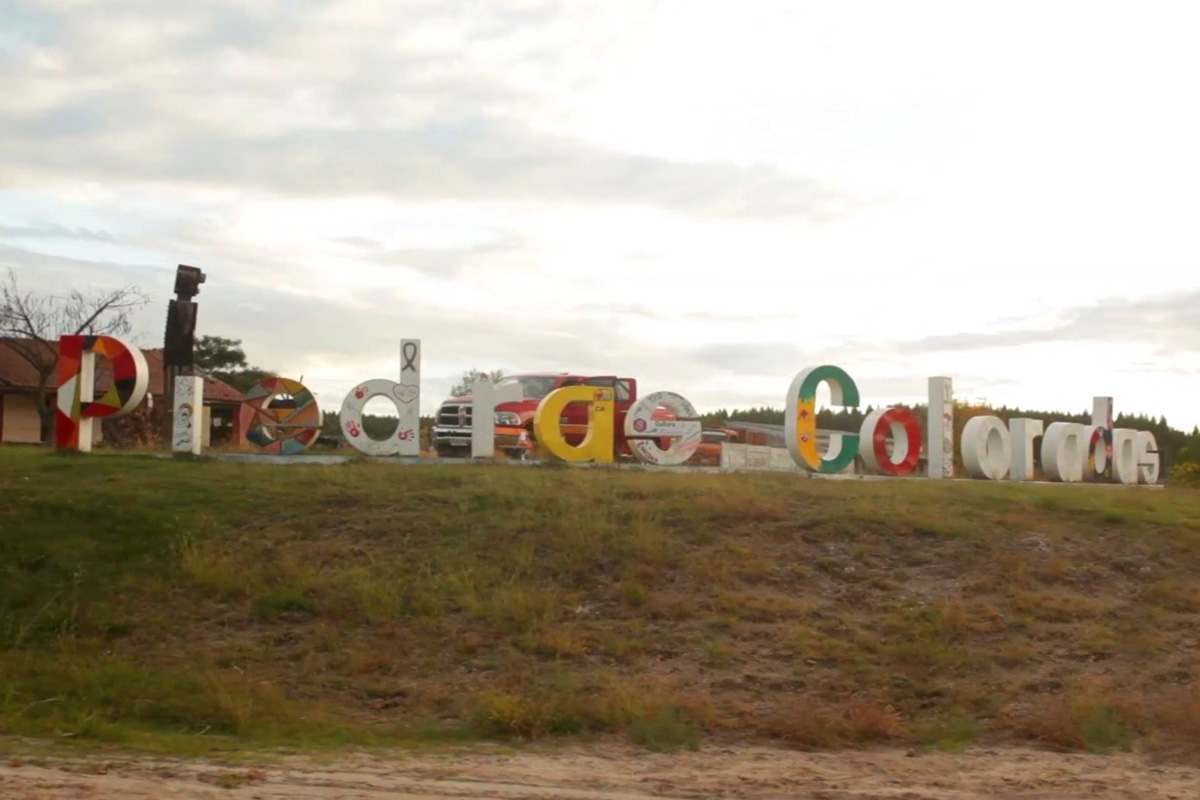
(445, 451)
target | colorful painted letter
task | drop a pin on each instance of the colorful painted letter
(597, 445)
(285, 428)
(77, 385)
(1095, 462)
(906, 442)
(644, 432)
(1102, 417)
(800, 424)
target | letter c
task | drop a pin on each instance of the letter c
(800, 424)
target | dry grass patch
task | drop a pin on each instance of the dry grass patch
(1092, 717)
(368, 603)
(809, 723)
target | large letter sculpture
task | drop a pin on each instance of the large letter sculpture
(643, 431)
(283, 429)
(906, 442)
(1125, 456)
(1064, 451)
(187, 428)
(1148, 458)
(399, 442)
(408, 393)
(76, 409)
(1096, 452)
(1099, 439)
(485, 396)
(940, 428)
(1023, 431)
(986, 448)
(597, 445)
(800, 428)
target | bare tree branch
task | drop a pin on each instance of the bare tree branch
(31, 325)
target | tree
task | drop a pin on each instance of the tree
(472, 375)
(225, 360)
(32, 324)
(213, 353)
(1189, 453)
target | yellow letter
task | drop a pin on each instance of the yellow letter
(597, 445)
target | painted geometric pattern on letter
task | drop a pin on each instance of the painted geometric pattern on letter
(129, 382)
(285, 430)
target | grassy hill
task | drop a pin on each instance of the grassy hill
(193, 606)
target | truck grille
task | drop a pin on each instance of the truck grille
(455, 416)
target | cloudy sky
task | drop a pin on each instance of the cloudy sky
(705, 196)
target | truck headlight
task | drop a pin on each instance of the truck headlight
(508, 419)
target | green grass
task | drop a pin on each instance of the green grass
(951, 735)
(667, 732)
(193, 606)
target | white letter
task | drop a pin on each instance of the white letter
(1102, 412)
(940, 428)
(187, 430)
(986, 448)
(1024, 431)
(1125, 456)
(408, 393)
(398, 442)
(485, 398)
(1148, 460)
(1064, 452)
(643, 431)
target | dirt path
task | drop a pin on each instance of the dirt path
(614, 773)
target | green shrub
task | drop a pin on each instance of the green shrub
(1187, 474)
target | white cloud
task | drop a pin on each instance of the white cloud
(704, 197)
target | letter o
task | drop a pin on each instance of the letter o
(282, 431)
(906, 441)
(986, 448)
(351, 418)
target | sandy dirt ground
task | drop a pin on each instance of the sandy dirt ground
(612, 773)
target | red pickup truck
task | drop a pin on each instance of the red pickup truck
(514, 420)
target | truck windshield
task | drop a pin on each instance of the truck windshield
(532, 387)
